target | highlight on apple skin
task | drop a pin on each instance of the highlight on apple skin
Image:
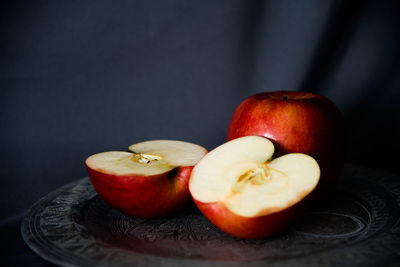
(296, 122)
(245, 192)
(150, 181)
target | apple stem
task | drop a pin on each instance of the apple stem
(144, 158)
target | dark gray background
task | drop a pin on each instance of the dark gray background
(80, 77)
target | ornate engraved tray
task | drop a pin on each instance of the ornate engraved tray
(356, 225)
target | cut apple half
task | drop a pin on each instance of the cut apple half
(241, 177)
(150, 181)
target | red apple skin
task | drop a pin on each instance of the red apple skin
(296, 122)
(250, 227)
(144, 196)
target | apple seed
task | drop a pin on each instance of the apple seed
(144, 158)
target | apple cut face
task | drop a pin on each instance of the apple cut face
(147, 158)
(242, 176)
(175, 153)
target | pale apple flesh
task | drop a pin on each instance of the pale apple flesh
(151, 181)
(175, 153)
(241, 177)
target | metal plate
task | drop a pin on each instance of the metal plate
(356, 225)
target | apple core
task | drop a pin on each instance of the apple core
(261, 175)
(144, 158)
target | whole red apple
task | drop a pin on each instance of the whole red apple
(150, 181)
(295, 122)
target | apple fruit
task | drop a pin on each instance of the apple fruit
(150, 181)
(246, 193)
(296, 122)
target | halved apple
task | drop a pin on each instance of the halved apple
(246, 193)
(150, 181)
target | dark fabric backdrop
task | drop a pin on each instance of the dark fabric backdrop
(80, 77)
